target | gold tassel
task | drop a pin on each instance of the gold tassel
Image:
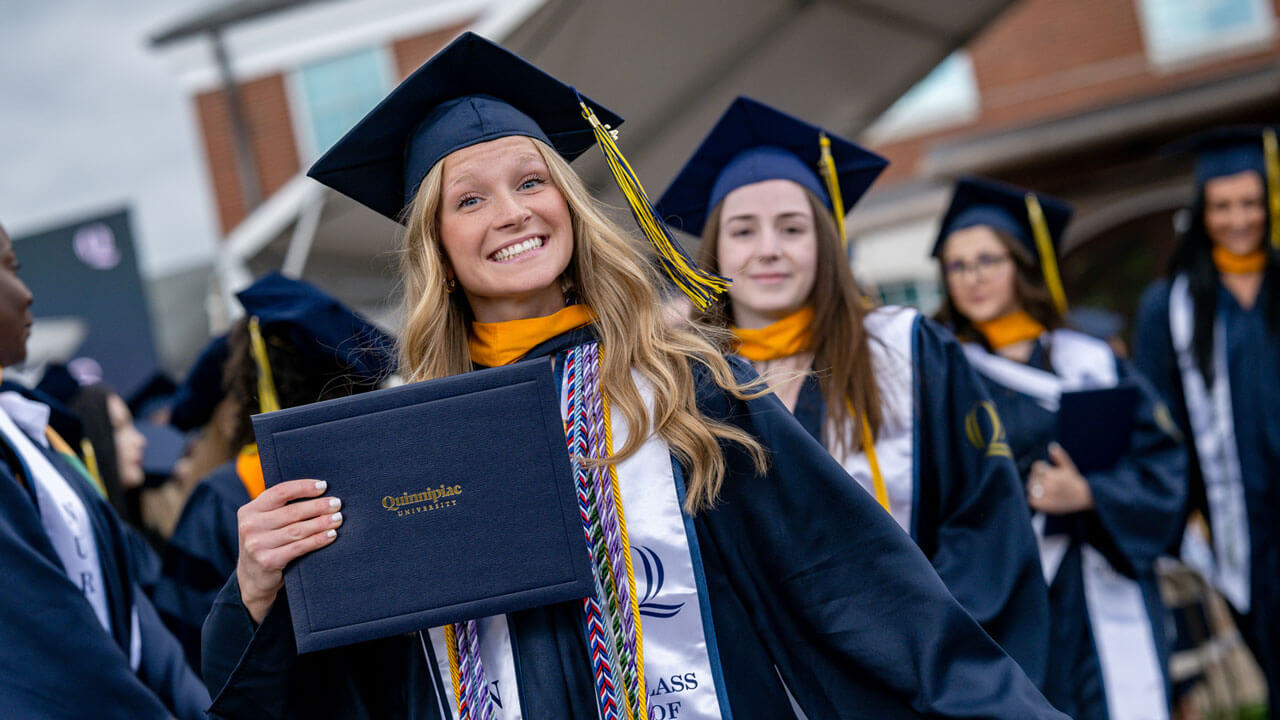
(1271, 155)
(1048, 259)
(267, 400)
(700, 286)
(832, 179)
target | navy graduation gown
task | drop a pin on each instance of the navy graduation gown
(809, 581)
(1253, 360)
(56, 660)
(201, 555)
(1136, 515)
(970, 516)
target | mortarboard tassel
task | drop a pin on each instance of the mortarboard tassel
(700, 286)
(827, 169)
(1048, 260)
(267, 400)
(1271, 156)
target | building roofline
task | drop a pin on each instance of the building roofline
(223, 16)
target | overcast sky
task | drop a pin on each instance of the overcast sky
(91, 119)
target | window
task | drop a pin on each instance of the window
(337, 92)
(948, 95)
(1178, 31)
(923, 294)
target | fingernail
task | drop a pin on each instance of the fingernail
(321, 485)
(336, 517)
(335, 503)
(332, 533)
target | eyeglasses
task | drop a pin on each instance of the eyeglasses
(981, 267)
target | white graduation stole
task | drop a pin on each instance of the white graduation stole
(1122, 632)
(679, 677)
(62, 512)
(1213, 427)
(892, 330)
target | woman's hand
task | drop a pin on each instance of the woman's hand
(274, 531)
(1058, 489)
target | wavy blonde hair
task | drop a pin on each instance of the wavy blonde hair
(614, 276)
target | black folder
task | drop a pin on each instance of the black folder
(458, 501)
(1095, 427)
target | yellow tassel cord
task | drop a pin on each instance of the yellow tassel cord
(832, 179)
(700, 286)
(869, 448)
(91, 462)
(267, 400)
(642, 711)
(1271, 154)
(1048, 259)
(451, 642)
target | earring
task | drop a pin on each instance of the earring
(450, 285)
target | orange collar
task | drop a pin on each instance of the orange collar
(499, 343)
(784, 338)
(249, 468)
(1011, 329)
(1233, 264)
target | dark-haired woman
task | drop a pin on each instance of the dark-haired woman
(886, 391)
(315, 349)
(78, 638)
(1100, 530)
(1208, 336)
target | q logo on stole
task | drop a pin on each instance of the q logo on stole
(985, 431)
(654, 578)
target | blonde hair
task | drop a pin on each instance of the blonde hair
(615, 277)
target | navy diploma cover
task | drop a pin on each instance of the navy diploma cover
(458, 501)
(1095, 427)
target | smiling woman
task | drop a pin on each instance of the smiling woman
(506, 255)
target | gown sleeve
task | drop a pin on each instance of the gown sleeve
(980, 539)
(56, 660)
(247, 667)
(1139, 504)
(164, 666)
(199, 557)
(841, 595)
(1153, 354)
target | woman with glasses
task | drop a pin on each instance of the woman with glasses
(886, 391)
(1100, 527)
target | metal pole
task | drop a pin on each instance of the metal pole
(246, 168)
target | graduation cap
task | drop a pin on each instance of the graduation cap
(201, 391)
(753, 142)
(156, 393)
(163, 450)
(474, 91)
(1232, 150)
(317, 326)
(1033, 219)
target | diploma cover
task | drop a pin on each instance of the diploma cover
(1095, 427)
(458, 501)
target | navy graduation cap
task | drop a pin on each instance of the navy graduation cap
(470, 92)
(474, 91)
(317, 326)
(1232, 150)
(753, 142)
(201, 390)
(1035, 220)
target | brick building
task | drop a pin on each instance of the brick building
(1072, 98)
(275, 82)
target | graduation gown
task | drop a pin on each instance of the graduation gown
(56, 658)
(1253, 369)
(201, 555)
(962, 503)
(803, 580)
(1136, 514)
